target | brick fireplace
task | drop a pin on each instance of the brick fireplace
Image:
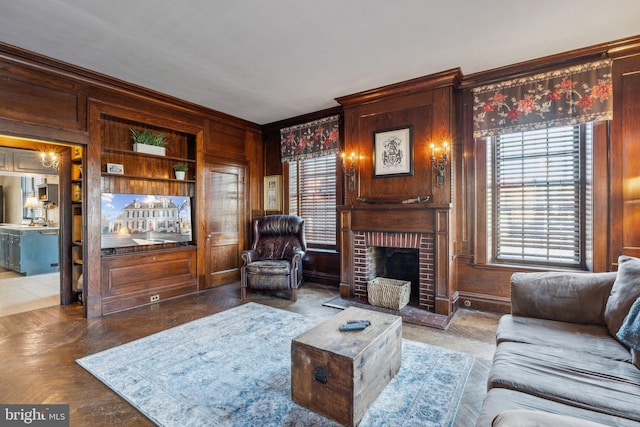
(364, 262)
(405, 230)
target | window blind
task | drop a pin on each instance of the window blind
(539, 196)
(312, 196)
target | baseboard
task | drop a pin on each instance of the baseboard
(322, 278)
(484, 302)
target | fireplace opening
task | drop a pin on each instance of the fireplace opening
(396, 263)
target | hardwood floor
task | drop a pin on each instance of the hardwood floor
(38, 349)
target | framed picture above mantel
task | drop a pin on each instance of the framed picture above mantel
(393, 152)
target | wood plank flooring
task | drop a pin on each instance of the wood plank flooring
(38, 349)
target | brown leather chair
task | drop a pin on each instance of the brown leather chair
(275, 258)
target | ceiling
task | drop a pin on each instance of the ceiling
(265, 61)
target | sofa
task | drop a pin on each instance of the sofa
(558, 359)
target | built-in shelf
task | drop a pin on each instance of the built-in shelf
(146, 178)
(151, 156)
(77, 232)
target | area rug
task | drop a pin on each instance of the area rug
(233, 369)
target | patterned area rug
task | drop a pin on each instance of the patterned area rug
(233, 369)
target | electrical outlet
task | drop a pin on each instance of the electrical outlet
(155, 298)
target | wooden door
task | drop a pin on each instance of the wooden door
(224, 218)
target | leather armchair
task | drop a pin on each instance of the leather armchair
(275, 258)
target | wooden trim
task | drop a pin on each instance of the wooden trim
(451, 77)
(292, 121)
(483, 302)
(614, 48)
(78, 74)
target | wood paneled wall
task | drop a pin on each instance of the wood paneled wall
(48, 100)
(624, 206)
(427, 106)
(616, 180)
(321, 266)
(54, 102)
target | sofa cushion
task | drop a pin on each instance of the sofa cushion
(570, 377)
(499, 400)
(625, 290)
(530, 418)
(270, 266)
(561, 296)
(594, 339)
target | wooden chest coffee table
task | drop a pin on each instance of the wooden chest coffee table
(340, 374)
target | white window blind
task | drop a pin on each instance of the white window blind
(539, 196)
(312, 196)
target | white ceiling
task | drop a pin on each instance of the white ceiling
(265, 61)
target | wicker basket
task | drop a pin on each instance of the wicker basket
(388, 293)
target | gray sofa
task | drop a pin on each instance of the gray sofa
(557, 361)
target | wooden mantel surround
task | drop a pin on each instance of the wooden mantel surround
(389, 205)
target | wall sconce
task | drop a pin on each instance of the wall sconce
(50, 160)
(440, 164)
(349, 173)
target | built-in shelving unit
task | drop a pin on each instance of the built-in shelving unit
(164, 174)
(77, 225)
(146, 273)
(142, 172)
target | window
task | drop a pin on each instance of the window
(312, 196)
(538, 195)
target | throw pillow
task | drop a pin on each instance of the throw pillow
(629, 332)
(624, 292)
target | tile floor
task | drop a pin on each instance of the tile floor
(25, 293)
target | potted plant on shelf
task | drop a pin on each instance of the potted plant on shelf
(180, 169)
(145, 141)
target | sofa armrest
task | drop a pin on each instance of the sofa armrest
(565, 297)
(249, 255)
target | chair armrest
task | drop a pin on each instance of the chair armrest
(565, 297)
(249, 255)
(296, 256)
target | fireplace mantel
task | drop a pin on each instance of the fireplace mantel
(374, 202)
(431, 226)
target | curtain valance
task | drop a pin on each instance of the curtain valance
(313, 139)
(573, 95)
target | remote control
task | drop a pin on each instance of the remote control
(353, 327)
(359, 321)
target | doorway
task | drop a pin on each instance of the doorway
(38, 278)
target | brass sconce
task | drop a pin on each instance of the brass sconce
(350, 172)
(440, 164)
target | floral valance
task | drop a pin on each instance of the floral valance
(313, 139)
(573, 95)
